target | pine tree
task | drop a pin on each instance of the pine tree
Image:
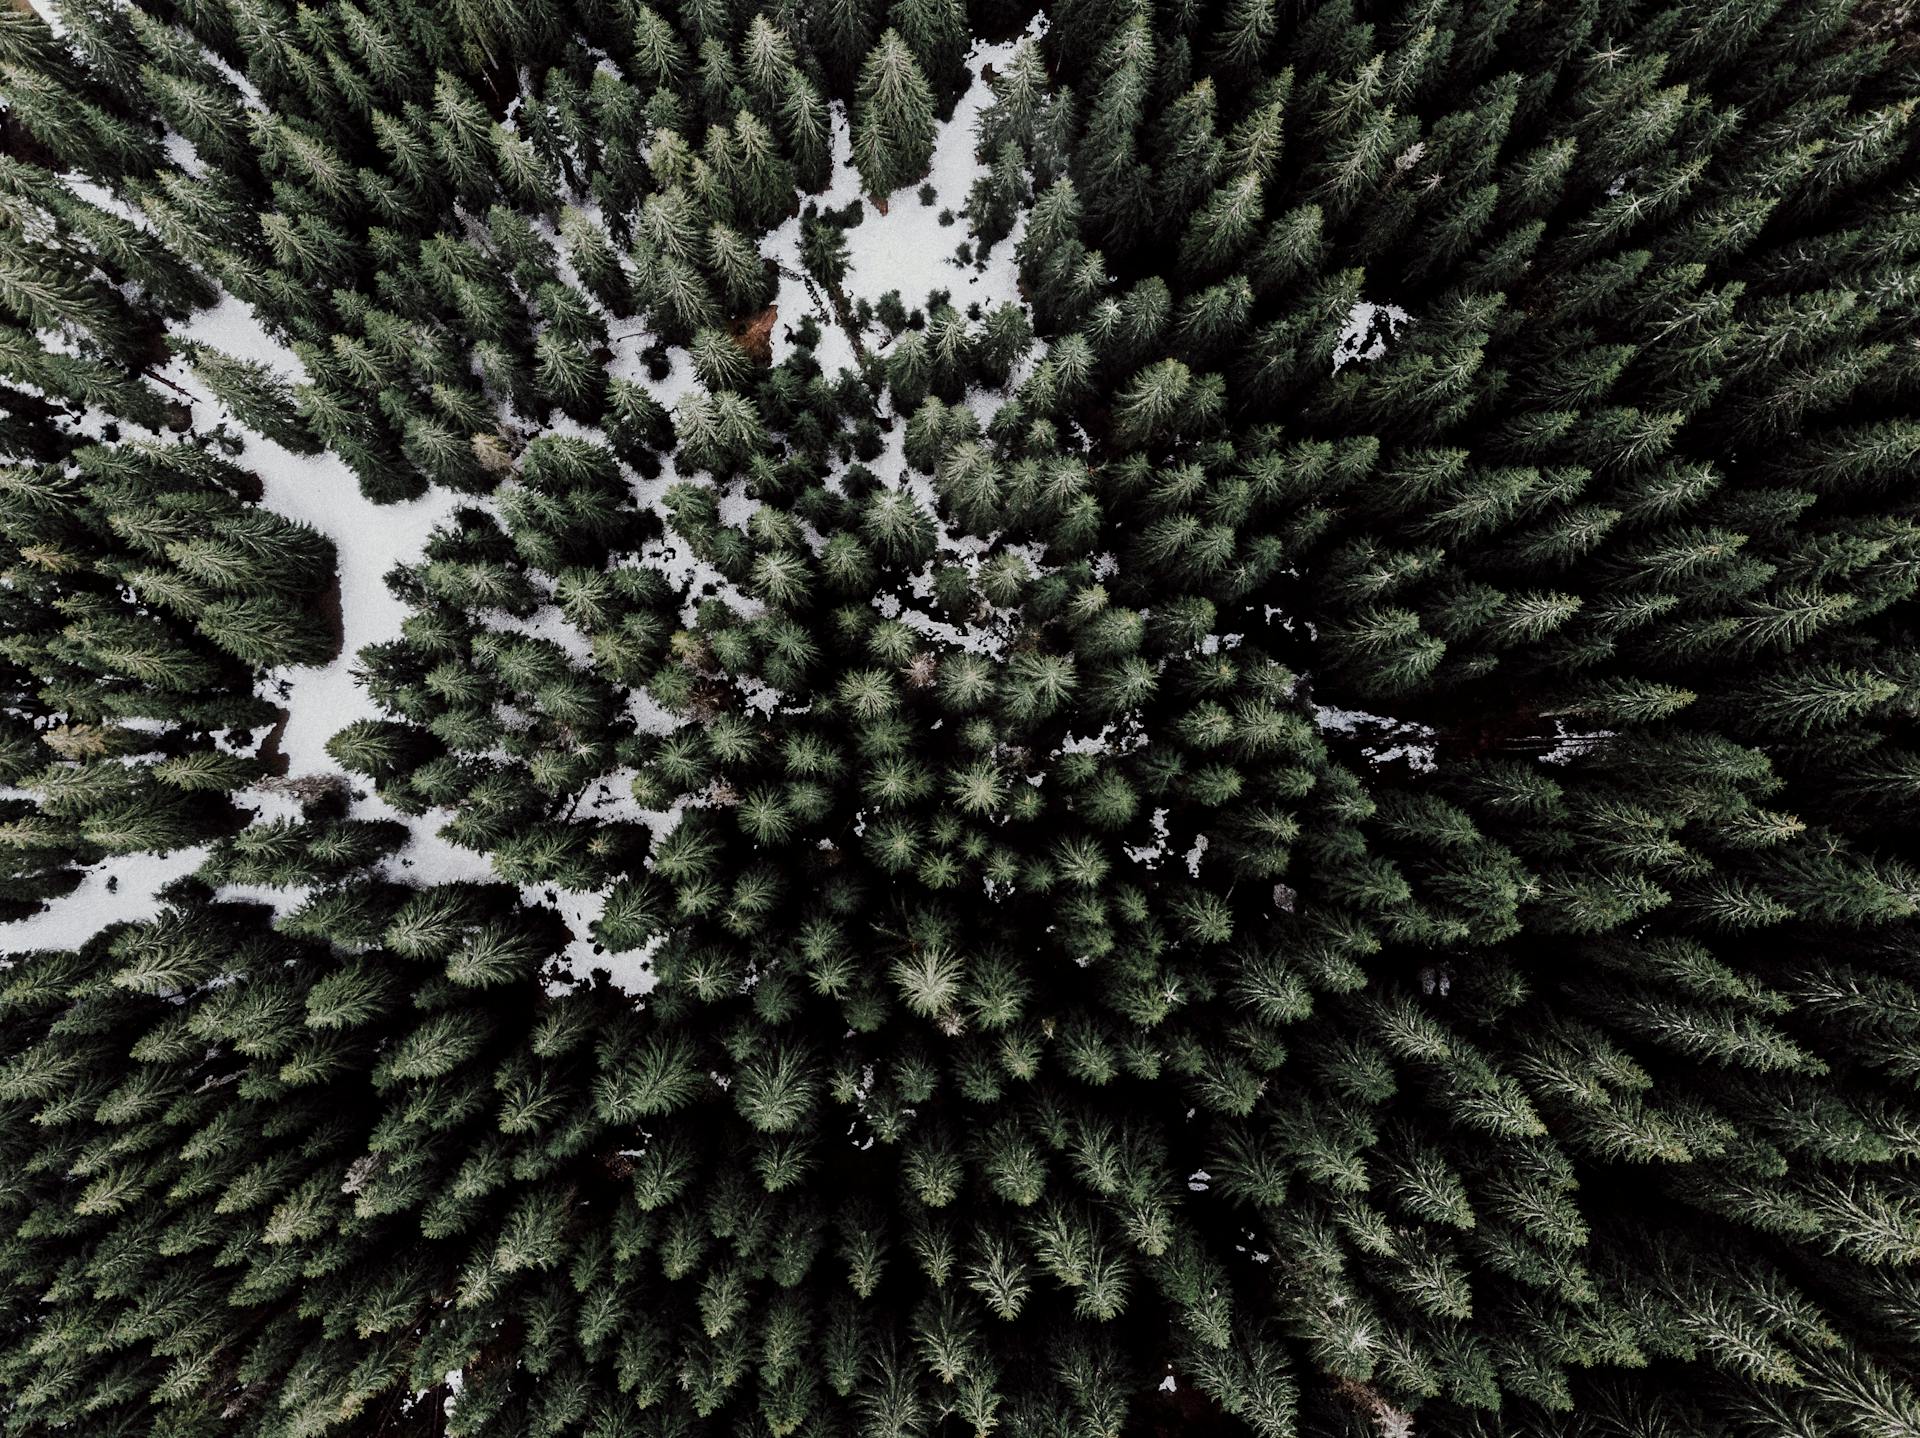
(893, 125)
(257, 397)
(1361, 735)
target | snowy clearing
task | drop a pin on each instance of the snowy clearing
(907, 248)
(1366, 332)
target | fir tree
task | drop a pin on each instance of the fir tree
(1297, 824)
(893, 124)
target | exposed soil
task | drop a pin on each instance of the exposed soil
(754, 334)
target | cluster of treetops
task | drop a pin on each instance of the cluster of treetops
(1055, 1032)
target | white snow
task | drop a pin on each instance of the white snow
(630, 972)
(669, 556)
(609, 800)
(762, 697)
(180, 150)
(425, 858)
(1151, 854)
(579, 911)
(1098, 744)
(1419, 757)
(905, 249)
(283, 900)
(908, 249)
(629, 362)
(1571, 746)
(117, 890)
(798, 295)
(736, 505)
(368, 540)
(1416, 748)
(991, 629)
(51, 15)
(546, 622)
(1196, 853)
(1368, 328)
(996, 629)
(648, 716)
(231, 325)
(1132, 736)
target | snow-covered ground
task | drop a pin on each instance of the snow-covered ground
(907, 249)
(1394, 739)
(319, 700)
(369, 540)
(608, 799)
(118, 890)
(1367, 330)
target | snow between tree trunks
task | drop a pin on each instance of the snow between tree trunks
(369, 540)
(908, 249)
(1366, 332)
(117, 890)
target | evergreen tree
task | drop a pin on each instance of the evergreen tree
(255, 396)
(893, 125)
(1288, 814)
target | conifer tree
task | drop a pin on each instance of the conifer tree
(255, 395)
(1287, 811)
(893, 123)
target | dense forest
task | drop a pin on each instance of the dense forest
(922, 718)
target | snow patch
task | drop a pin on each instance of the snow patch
(907, 249)
(282, 899)
(1151, 854)
(546, 622)
(1368, 328)
(118, 890)
(1194, 855)
(1571, 746)
(1416, 746)
(369, 539)
(669, 557)
(630, 972)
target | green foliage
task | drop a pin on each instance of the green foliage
(1300, 823)
(893, 123)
